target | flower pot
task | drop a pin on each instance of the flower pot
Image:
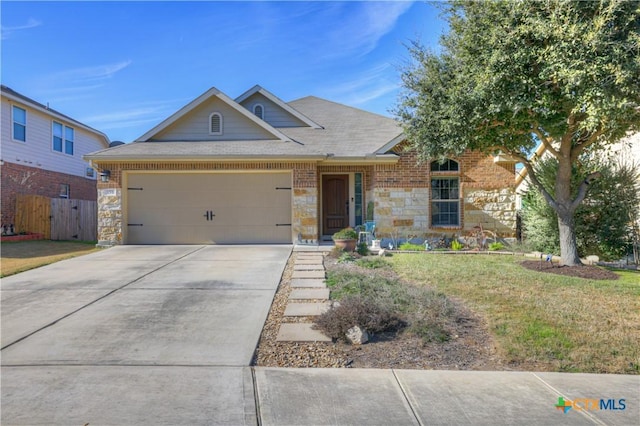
(346, 245)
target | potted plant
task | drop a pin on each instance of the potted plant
(345, 239)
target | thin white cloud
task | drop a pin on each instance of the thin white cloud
(359, 33)
(366, 87)
(90, 74)
(141, 114)
(8, 30)
(77, 84)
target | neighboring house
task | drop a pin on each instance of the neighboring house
(259, 170)
(627, 150)
(42, 153)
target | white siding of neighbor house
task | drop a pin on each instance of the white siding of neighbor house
(38, 151)
(273, 114)
(194, 126)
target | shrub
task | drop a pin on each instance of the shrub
(456, 245)
(603, 221)
(345, 257)
(345, 234)
(362, 249)
(425, 312)
(356, 310)
(411, 247)
(496, 246)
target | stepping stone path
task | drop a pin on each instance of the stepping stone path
(309, 297)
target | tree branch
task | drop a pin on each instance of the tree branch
(579, 148)
(539, 186)
(545, 141)
(584, 187)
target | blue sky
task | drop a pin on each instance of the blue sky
(122, 67)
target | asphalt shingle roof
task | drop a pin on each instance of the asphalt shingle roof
(346, 132)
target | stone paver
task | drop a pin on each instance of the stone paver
(307, 274)
(300, 332)
(297, 267)
(309, 261)
(305, 309)
(308, 283)
(309, 294)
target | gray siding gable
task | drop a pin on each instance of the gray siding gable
(194, 126)
(273, 113)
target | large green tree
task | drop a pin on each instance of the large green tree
(513, 74)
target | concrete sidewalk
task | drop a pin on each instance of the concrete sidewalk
(416, 397)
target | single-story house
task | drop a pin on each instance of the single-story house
(256, 169)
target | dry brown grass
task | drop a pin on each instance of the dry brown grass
(547, 322)
(22, 256)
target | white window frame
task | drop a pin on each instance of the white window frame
(13, 124)
(64, 140)
(256, 106)
(221, 131)
(65, 190)
(456, 201)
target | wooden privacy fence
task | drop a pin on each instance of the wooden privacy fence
(57, 218)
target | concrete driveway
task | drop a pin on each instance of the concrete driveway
(168, 327)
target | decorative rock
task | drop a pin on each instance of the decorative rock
(382, 253)
(357, 335)
(592, 260)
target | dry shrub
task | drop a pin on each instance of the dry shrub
(356, 310)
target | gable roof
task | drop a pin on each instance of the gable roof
(16, 96)
(297, 114)
(212, 92)
(340, 133)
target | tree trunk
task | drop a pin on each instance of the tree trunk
(568, 247)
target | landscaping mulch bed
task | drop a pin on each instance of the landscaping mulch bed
(583, 271)
(471, 346)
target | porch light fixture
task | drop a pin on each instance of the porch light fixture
(105, 175)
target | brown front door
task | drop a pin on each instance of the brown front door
(335, 203)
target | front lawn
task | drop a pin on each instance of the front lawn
(24, 255)
(540, 320)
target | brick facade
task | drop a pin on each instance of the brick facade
(399, 194)
(19, 179)
(402, 196)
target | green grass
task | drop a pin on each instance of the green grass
(411, 247)
(539, 320)
(24, 255)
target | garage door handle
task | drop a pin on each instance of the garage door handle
(283, 224)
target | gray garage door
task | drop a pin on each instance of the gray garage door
(208, 208)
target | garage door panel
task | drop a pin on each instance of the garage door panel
(171, 208)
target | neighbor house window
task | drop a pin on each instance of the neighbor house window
(19, 124)
(90, 172)
(63, 138)
(215, 123)
(65, 190)
(445, 202)
(258, 110)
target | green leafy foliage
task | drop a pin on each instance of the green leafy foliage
(456, 245)
(603, 222)
(496, 246)
(513, 74)
(411, 247)
(345, 234)
(362, 249)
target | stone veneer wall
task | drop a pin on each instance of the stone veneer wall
(304, 194)
(401, 196)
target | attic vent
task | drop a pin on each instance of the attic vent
(258, 110)
(215, 123)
